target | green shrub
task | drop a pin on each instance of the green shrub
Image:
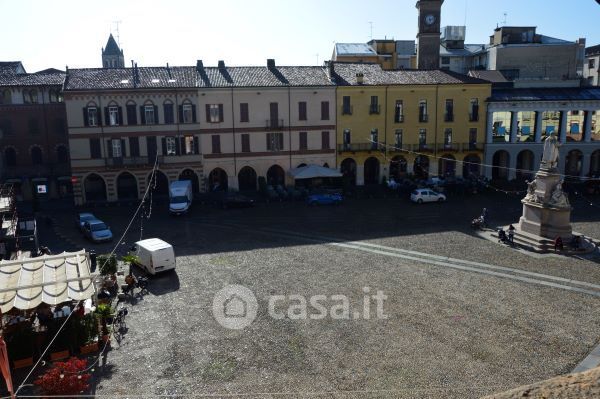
(107, 264)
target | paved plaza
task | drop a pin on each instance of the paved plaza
(465, 317)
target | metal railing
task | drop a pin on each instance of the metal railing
(131, 161)
(423, 117)
(274, 124)
(355, 147)
(374, 109)
(347, 110)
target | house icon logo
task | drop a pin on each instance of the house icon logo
(235, 307)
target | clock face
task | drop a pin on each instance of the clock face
(429, 19)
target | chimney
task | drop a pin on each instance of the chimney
(360, 78)
(270, 63)
(199, 66)
(133, 73)
(330, 67)
(169, 71)
(221, 64)
(136, 79)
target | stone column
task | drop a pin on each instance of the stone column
(489, 127)
(514, 124)
(585, 164)
(538, 126)
(563, 126)
(587, 127)
(360, 175)
(512, 164)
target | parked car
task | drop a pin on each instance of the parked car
(230, 199)
(82, 218)
(97, 231)
(324, 199)
(155, 255)
(422, 195)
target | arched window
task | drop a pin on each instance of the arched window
(10, 157)
(187, 112)
(5, 97)
(36, 155)
(62, 154)
(90, 114)
(113, 114)
(131, 109)
(149, 113)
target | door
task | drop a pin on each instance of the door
(274, 113)
(151, 144)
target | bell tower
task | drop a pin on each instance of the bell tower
(428, 38)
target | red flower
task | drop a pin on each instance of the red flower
(65, 378)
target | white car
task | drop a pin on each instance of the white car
(426, 195)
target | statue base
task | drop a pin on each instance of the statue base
(546, 221)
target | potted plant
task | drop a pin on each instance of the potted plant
(20, 348)
(105, 313)
(107, 264)
(88, 334)
(65, 378)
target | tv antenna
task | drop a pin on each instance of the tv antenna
(116, 23)
(371, 25)
(504, 22)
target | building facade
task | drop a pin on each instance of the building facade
(216, 126)
(33, 136)
(591, 67)
(519, 120)
(396, 123)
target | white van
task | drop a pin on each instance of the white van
(155, 255)
(180, 196)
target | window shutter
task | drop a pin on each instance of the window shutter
(268, 141)
(194, 113)
(123, 152)
(180, 114)
(106, 117)
(164, 146)
(142, 115)
(120, 121)
(110, 154)
(86, 122)
(208, 112)
(156, 114)
(221, 113)
(181, 146)
(196, 145)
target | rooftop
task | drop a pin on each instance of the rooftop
(546, 94)
(12, 73)
(594, 50)
(348, 49)
(345, 75)
(192, 77)
(111, 48)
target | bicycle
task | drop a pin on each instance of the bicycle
(119, 324)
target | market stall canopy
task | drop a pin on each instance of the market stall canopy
(312, 171)
(49, 279)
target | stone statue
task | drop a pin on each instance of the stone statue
(550, 156)
(531, 187)
(559, 198)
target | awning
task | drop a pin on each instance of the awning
(311, 171)
(50, 279)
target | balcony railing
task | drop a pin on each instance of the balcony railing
(471, 147)
(448, 117)
(274, 124)
(422, 147)
(399, 148)
(131, 161)
(398, 118)
(448, 147)
(347, 109)
(374, 109)
(473, 117)
(423, 118)
(356, 147)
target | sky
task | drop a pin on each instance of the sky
(55, 33)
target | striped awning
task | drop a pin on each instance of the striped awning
(49, 279)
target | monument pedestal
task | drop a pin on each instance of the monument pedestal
(546, 209)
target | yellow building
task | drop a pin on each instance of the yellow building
(396, 123)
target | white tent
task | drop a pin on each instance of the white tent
(50, 279)
(312, 171)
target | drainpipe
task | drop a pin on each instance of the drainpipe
(385, 149)
(435, 137)
(233, 133)
(290, 122)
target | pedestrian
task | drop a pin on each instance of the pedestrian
(511, 234)
(558, 244)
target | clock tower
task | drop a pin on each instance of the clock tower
(428, 38)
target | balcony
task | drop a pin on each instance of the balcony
(423, 118)
(347, 109)
(471, 146)
(453, 147)
(119, 162)
(422, 147)
(473, 117)
(374, 109)
(398, 118)
(274, 124)
(399, 148)
(359, 147)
